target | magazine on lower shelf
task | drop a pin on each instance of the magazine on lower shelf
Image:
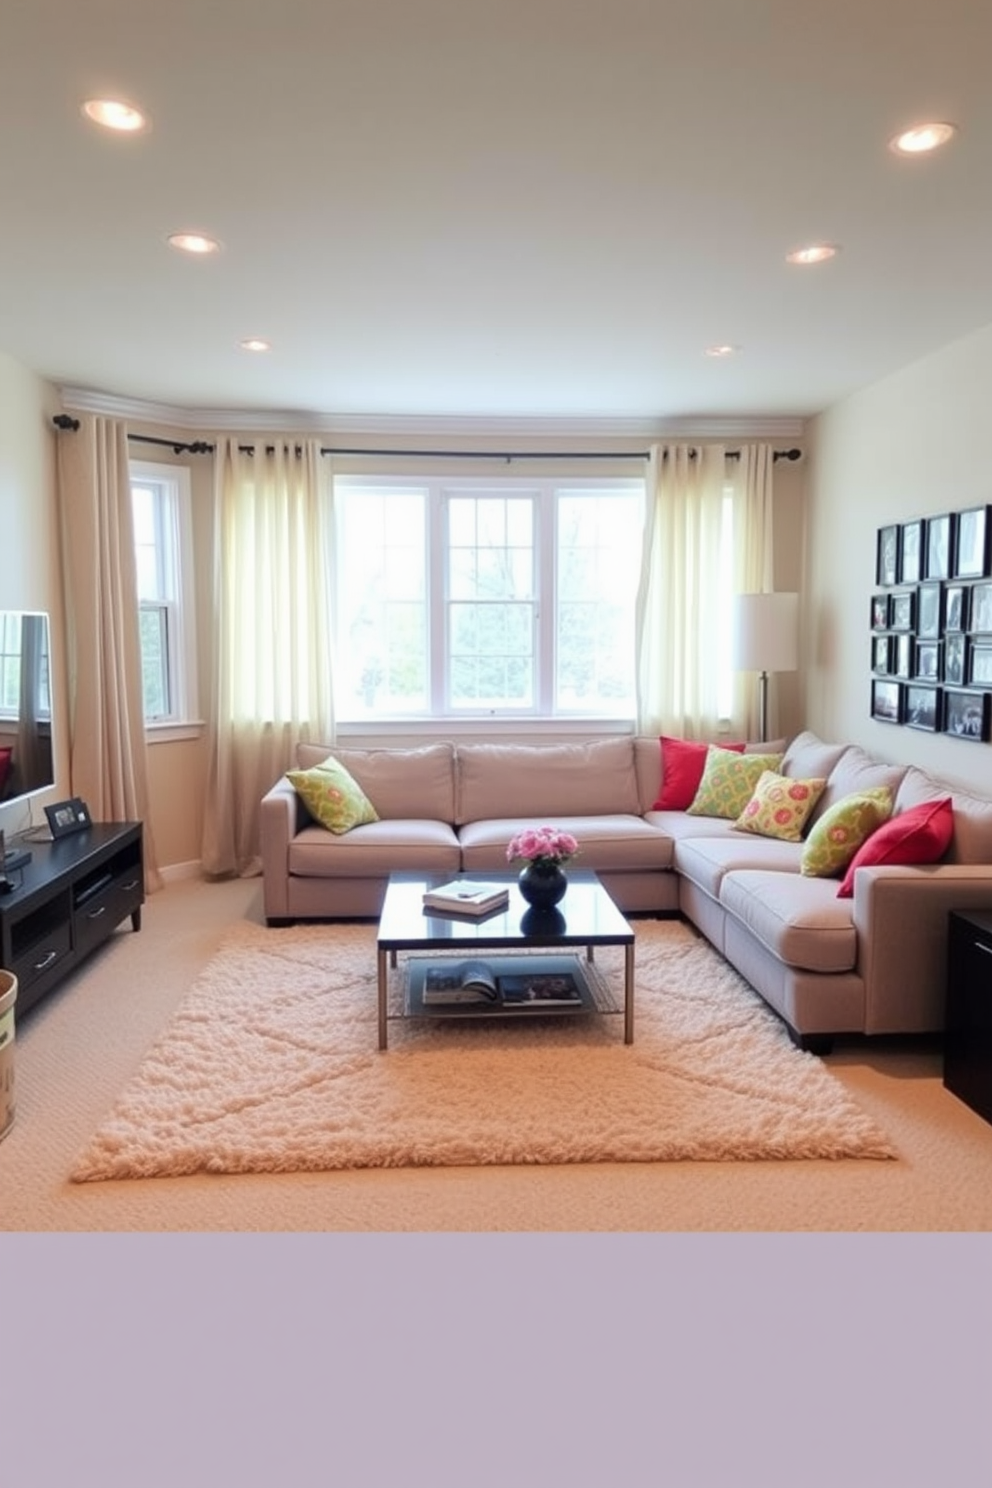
(475, 982)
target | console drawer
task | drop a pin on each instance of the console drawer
(100, 913)
(42, 957)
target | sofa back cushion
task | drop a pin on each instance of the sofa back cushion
(972, 838)
(543, 781)
(402, 784)
(808, 756)
(857, 771)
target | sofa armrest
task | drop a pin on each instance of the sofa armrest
(282, 815)
(900, 915)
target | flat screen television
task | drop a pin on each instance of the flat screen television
(26, 754)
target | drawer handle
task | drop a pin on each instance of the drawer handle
(94, 914)
(46, 961)
(980, 946)
(129, 886)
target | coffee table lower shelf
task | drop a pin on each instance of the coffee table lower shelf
(594, 994)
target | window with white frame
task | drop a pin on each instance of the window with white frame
(160, 498)
(486, 598)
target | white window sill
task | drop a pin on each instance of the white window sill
(171, 733)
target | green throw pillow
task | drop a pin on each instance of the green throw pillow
(840, 831)
(780, 806)
(333, 796)
(728, 781)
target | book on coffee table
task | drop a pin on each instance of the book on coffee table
(467, 896)
(459, 981)
(539, 988)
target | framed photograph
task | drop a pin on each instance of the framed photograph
(929, 609)
(971, 545)
(886, 701)
(880, 612)
(911, 552)
(954, 658)
(923, 707)
(902, 608)
(69, 816)
(927, 666)
(901, 664)
(940, 532)
(881, 655)
(980, 620)
(956, 607)
(966, 714)
(980, 666)
(887, 557)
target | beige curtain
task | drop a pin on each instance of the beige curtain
(107, 759)
(272, 669)
(687, 578)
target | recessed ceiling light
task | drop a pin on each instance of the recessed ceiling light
(922, 138)
(721, 351)
(111, 113)
(191, 242)
(255, 343)
(813, 253)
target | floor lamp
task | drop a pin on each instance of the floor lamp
(766, 639)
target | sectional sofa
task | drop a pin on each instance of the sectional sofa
(873, 963)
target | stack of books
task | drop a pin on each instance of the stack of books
(467, 896)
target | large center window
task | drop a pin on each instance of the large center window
(510, 598)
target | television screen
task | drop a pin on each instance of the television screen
(26, 758)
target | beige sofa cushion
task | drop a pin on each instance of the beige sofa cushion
(375, 849)
(800, 920)
(544, 782)
(808, 755)
(402, 784)
(857, 771)
(606, 843)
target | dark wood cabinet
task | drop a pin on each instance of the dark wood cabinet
(968, 1034)
(70, 896)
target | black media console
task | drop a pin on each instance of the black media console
(64, 902)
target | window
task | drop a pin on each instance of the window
(160, 497)
(472, 598)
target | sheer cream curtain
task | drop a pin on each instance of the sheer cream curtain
(688, 573)
(272, 666)
(107, 758)
(751, 478)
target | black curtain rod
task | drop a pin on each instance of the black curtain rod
(201, 447)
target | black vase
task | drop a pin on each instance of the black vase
(543, 885)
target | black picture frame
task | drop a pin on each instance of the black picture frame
(887, 556)
(926, 665)
(980, 616)
(881, 655)
(66, 817)
(923, 707)
(911, 539)
(940, 546)
(956, 607)
(886, 701)
(979, 669)
(971, 543)
(929, 610)
(966, 714)
(955, 658)
(901, 656)
(880, 612)
(902, 610)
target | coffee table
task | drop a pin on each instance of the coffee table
(586, 917)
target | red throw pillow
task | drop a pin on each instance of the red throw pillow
(920, 835)
(5, 755)
(682, 764)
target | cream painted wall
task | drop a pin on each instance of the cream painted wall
(913, 445)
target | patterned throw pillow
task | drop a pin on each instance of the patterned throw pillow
(840, 831)
(333, 796)
(780, 806)
(728, 781)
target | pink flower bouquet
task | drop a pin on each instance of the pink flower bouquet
(545, 846)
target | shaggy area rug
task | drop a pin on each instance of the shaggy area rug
(271, 1065)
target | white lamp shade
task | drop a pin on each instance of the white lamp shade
(766, 632)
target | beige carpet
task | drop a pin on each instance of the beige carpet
(271, 1065)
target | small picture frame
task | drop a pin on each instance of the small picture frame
(66, 817)
(880, 612)
(940, 534)
(927, 667)
(923, 707)
(911, 552)
(929, 615)
(980, 619)
(956, 607)
(954, 659)
(901, 664)
(881, 655)
(971, 545)
(966, 714)
(980, 665)
(886, 701)
(902, 608)
(887, 557)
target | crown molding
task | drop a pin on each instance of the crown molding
(402, 426)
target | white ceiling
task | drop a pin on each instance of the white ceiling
(511, 208)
